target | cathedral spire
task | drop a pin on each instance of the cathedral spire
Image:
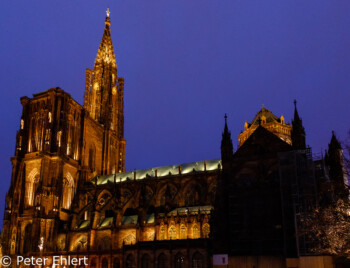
(105, 52)
(104, 100)
(226, 145)
(103, 89)
(298, 131)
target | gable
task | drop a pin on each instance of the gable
(262, 142)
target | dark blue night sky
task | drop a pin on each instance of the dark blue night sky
(185, 64)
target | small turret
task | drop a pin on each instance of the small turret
(226, 146)
(298, 131)
(335, 162)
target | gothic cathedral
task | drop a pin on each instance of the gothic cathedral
(71, 196)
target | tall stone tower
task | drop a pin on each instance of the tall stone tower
(104, 102)
(59, 146)
(220, 220)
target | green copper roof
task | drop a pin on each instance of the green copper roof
(159, 172)
(107, 222)
(191, 210)
(84, 224)
(150, 218)
(129, 219)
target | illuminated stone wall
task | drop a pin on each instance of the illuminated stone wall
(169, 208)
(269, 121)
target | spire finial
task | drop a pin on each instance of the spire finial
(108, 20)
(295, 103)
(225, 118)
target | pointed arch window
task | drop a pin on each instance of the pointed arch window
(32, 186)
(192, 196)
(183, 232)
(206, 230)
(68, 191)
(162, 261)
(162, 232)
(93, 263)
(197, 260)
(145, 261)
(104, 263)
(189, 199)
(195, 231)
(130, 261)
(27, 245)
(172, 232)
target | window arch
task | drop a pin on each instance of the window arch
(162, 261)
(37, 197)
(195, 231)
(104, 263)
(197, 260)
(183, 232)
(68, 191)
(192, 195)
(179, 260)
(13, 245)
(162, 232)
(27, 238)
(189, 198)
(145, 261)
(93, 263)
(32, 186)
(130, 261)
(206, 230)
(172, 232)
